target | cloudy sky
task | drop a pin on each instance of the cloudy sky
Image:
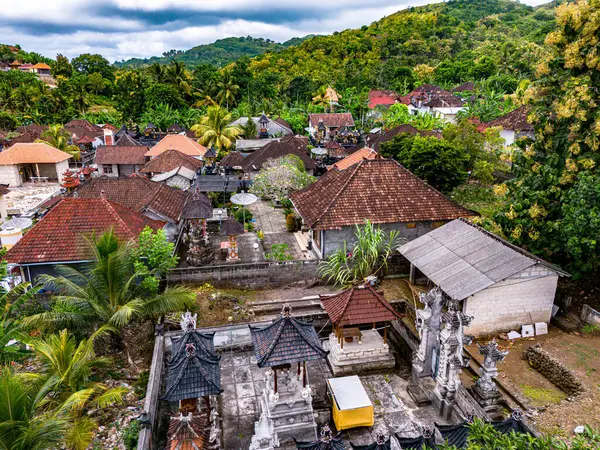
(121, 29)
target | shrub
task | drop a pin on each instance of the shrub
(242, 213)
(131, 435)
(292, 222)
(279, 252)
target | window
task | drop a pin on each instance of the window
(411, 225)
(107, 168)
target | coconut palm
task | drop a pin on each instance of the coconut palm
(214, 129)
(107, 292)
(24, 425)
(158, 72)
(65, 376)
(179, 76)
(227, 89)
(10, 329)
(58, 137)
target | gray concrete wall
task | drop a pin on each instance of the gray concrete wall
(335, 239)
(590, 315)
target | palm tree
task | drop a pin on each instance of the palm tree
(227, 89)
(10, 329)
(23, 423)
(66, 369)
(59, 138)
(214, 129)
(107, 293)
(179, 76)
(158, 72)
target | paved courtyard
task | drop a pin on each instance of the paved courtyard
(243, 382)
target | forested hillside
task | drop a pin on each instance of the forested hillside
(218, 53)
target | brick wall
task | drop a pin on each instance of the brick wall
(524, 298)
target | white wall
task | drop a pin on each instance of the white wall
(61, 168)
(524, 298)
(508, 136)
(10, 175)
(3, 214)
(115, 170)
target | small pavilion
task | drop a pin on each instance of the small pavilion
(188, 432)
(286, 400)
(70, 180)
(351, 349)
(194, 370)
(232, 229)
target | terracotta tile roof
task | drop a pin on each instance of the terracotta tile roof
(355, 158)
(33, 129)
(85, 140)
(41, 66)
(233, 159)
(335, 149)
(61, 234)
(170, 160)
(515, 120)
(382, 97)
(137, 193)
(283, 122)
(358, 305)
(33, 153)
(286, 341)
(335, 120)
(127, 141)
(178, 142)
(135, 155)
(84, 124)
(379, 190)
(188, 432)
(288, 145)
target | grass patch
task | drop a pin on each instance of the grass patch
(216, 305)
(589, 328)
(478, 198)
(543, 396)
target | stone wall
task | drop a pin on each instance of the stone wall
(525, 298)
(247, 275)
(590, 315)
(553, 370)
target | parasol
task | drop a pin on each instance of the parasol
(243, 199)
(319, 151)
(17, 222)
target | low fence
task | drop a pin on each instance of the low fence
(249, 275)
(589, 315)
(150, 421)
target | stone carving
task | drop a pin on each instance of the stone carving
(188, 321)
(265, 437)
(428, 326)
(491, 357)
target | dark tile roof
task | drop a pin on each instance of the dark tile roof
(191, 373)
(133, 155)
(515, 120)
(286, 341)
(335, 444)
(204, 343)
(61, 234)
(418, 443)
(4, 189)
(379, 190)
(127, 141)
(137, 193)
(32, 129)
(445, 101)
(288, 145)
(335, 120)
(210, 153)
(175, 128)
(375, 140)
(283, 122)
(190, 432)
(123, 131)
(387, 445)
(231, 227)
(170, 160)
(358, 305)
(468, 86)
(197, 206)
(233, 159)
(458, 435)
(82, 123)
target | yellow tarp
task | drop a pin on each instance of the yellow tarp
(350, 418)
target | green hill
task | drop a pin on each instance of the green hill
(455, 41)
(219, 53)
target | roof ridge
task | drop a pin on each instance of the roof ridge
(281, 323)
(116, 215)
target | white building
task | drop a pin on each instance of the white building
(514, 125)
(502, 286)
(32, 162)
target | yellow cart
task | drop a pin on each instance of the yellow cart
(351, 404)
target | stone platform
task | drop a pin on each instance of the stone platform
(371, 354)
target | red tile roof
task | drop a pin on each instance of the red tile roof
(515, 120)
(375, 140)
(178, 142)
(336, 120)
(137, 193)
(233, 159)
(170, 160)
(382, 97)
(134, 155)
(379, 190)
(355, 158)
(61, 234)
(288, 145)
(358, 305)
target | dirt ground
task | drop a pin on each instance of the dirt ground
(554, 411)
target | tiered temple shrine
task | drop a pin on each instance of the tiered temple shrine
(197, 209)
(286, 401)
(351, 349)
(232, 229)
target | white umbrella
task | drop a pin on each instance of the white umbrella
(243, 199)
(319, 151)
(17, 222)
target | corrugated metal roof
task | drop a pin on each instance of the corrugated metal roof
(463, 259)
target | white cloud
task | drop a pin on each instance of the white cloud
(74, 26)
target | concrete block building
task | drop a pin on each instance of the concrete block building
(24, 162)
(501, 285)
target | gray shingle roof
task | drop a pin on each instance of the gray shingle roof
(463, 259)
(286, 341)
